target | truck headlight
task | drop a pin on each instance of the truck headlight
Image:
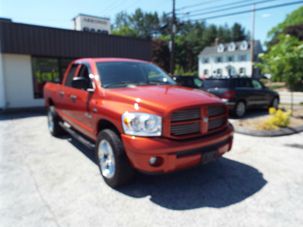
(141, 124)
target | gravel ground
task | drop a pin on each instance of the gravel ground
(45, 181)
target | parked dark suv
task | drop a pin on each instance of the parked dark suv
(188, 81)
(241, 94)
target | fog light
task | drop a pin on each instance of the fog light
(155, 161)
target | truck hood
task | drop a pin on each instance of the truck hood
(161, 98)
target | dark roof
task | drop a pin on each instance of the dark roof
(213, 49)
(45, 41)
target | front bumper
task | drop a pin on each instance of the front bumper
(176, 154)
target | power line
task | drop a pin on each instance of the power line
(218, 6)
(248, 11)
(229, 8)
(198, 4)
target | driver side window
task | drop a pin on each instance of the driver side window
(84, 73)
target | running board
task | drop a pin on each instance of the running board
(67, 127)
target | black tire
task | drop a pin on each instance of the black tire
(275, 103)
(240, 109)
(53, 122)
(123, 171)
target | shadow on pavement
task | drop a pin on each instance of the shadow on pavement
(295, 145)
(219, 184)
(23, 113)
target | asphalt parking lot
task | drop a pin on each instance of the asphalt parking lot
(45, 181)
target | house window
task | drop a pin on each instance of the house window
(205, 60)
(205, 72)
(242, 58)
(230, 58)
(219, 71)
(47, 69)
(219, 59)
(242, 71)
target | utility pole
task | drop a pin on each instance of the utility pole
(172, 39)
(252, 41)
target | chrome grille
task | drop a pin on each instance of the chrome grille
(186, 115)
(216, 123)
(189, 121)
(185, 129)
(215, 110)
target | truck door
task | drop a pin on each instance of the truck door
(63, 93)
(80, 99)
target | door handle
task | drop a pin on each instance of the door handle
(73, 97)
(61, 93)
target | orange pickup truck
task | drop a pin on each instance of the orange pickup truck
(135, 118)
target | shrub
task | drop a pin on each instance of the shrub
(278, 118)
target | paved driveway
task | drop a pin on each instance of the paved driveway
(46, 181)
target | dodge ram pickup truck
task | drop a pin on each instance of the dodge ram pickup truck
(135, 117)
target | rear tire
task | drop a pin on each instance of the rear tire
(240, 109)
(112, 161)
(53, 121)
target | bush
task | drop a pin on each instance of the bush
(278, 118)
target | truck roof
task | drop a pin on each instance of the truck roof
(109, 60)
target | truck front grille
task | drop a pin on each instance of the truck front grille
(197, 121)
(185, 129)
(186, 115)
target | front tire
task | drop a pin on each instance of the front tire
(112, 160)
(53, 121)
(275, 103)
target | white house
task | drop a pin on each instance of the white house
(229, 59)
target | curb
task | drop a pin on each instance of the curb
(280, 132)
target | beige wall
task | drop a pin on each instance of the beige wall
(17, 70)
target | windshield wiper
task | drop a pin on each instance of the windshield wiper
(123, 84)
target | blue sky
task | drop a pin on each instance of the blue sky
(58, 13)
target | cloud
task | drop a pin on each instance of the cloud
(265, 15)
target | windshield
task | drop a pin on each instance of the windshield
(123, 74)
(216, 84)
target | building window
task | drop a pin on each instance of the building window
(219, 59)
(230, 58)
(219, 71)
(205, 60)
(242, 58)
(242, 71)
(205, 72)
(47, 69)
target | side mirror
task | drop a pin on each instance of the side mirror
(80, 83)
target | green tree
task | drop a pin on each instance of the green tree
(284, 61)
(294, 18)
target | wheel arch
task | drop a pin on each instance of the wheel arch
(106, 124)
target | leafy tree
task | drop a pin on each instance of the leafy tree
(191, 37)
(238, 32)
(284, 61)
(294, 18)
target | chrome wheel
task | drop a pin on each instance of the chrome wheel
(240, 109)
(50, 120)
(106, 159)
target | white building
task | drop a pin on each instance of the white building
(229, 59)
(83, 22)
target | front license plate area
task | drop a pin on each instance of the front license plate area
(209, 156)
